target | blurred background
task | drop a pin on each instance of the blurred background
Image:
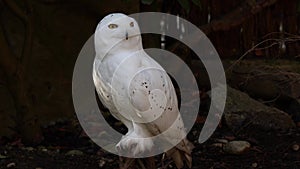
(257, 40)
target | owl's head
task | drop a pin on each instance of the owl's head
(117, 33)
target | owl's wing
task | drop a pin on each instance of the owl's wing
(103, 88)
(153, 96)
(149, 89)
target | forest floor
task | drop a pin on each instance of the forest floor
(66, 148)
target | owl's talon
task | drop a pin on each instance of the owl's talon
(134, 146)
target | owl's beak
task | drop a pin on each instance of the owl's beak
(126, 35)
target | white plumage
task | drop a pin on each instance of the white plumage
(136, 89)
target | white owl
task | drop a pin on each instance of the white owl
(136, 90)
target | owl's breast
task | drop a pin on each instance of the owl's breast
(124, 83)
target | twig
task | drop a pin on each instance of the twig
(246, 53)
(277, 41)
(267, 47)
(272, 100)
(280, 33)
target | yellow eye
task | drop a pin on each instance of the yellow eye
(131, 24)
(112, 26)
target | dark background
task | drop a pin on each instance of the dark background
(41, 39)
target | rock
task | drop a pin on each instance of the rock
(263, 81)
(217, 145)
(271, 84)
(236, 147)
(242, 111)
(102, 163)
(296, 147)
(28, 148)
(11, 165)
(224, 141)
(74, 152)
(254, 165)
(230, 138)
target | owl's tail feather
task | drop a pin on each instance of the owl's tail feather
(181, 154)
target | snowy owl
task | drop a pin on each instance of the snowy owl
(137, 90)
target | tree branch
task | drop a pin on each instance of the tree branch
(8, 61)
(16, 69)
(28, 40)
(16, 10)
(27, 19)
(237, 16)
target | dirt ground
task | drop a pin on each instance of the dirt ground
(66, 148)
